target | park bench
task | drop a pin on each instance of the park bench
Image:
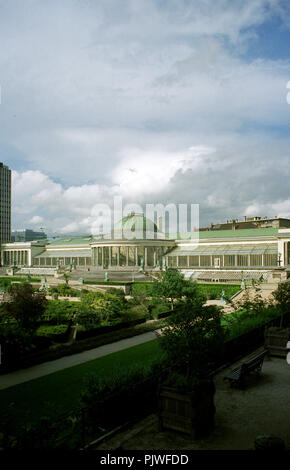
(254, 364)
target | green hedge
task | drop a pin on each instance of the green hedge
(239, 323)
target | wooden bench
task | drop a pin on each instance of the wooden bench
(254, 364)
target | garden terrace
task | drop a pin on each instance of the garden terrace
(263, 407)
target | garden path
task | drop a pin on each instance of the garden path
(40, 370)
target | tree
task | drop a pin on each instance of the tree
(25, 306)
(19, 319)
(66, 278)
(174, 287)
(194, 336)
(108, 306)
(282, 297)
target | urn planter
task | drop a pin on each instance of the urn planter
(276, 339)
(191, 412)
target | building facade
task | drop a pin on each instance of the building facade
(5, 203)
(136, 243)
(27, 235)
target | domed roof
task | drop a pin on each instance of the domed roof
(134, 226)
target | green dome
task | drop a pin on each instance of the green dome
(135, 226)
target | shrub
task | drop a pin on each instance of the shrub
(25, 306)
(63, 290)
(282, 297)
(122, 395)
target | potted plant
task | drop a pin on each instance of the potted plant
(192, 340)
(276, 338)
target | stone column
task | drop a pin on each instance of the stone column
(29, 260)
(127, 256)
(110, 256)
(136, 256)
(118, 255)
(145, 257)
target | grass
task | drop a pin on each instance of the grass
(59, 392)
(214, 290)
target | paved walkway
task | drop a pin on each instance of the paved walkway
(262, 407)
(40, 370)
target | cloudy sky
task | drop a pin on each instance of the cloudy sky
(163, 101)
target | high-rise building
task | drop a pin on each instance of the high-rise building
(5, 203)
(27, 235)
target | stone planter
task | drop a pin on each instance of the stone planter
(192, 412)
(276, 340)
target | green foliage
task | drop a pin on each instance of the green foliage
(173, 287)
(282, 297)
(5, 284)
(180, 382)
(19, 279)
(49, 330)
(240, 322)
(66, 278)
(213, 291)
(146, 289)
(117, 292)
(99, 391)
(107, 306)
(250, 304)
(25, 307)
(194, 335)
(58, 311)
(63, 290)
(19, 319)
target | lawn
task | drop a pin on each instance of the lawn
(59, 393)
(213, 291)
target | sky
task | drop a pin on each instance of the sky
(154, 101)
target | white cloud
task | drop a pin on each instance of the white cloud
(36, 219)
(93, 105)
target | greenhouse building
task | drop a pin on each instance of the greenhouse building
(136, 243)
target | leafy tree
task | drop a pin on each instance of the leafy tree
(19, 319)
(174, 287)
(66, 278)
(108, 306)
(194, 336)
(25, 306)
(5, 284)
(282, 297)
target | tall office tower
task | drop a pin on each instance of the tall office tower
(5, 203)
